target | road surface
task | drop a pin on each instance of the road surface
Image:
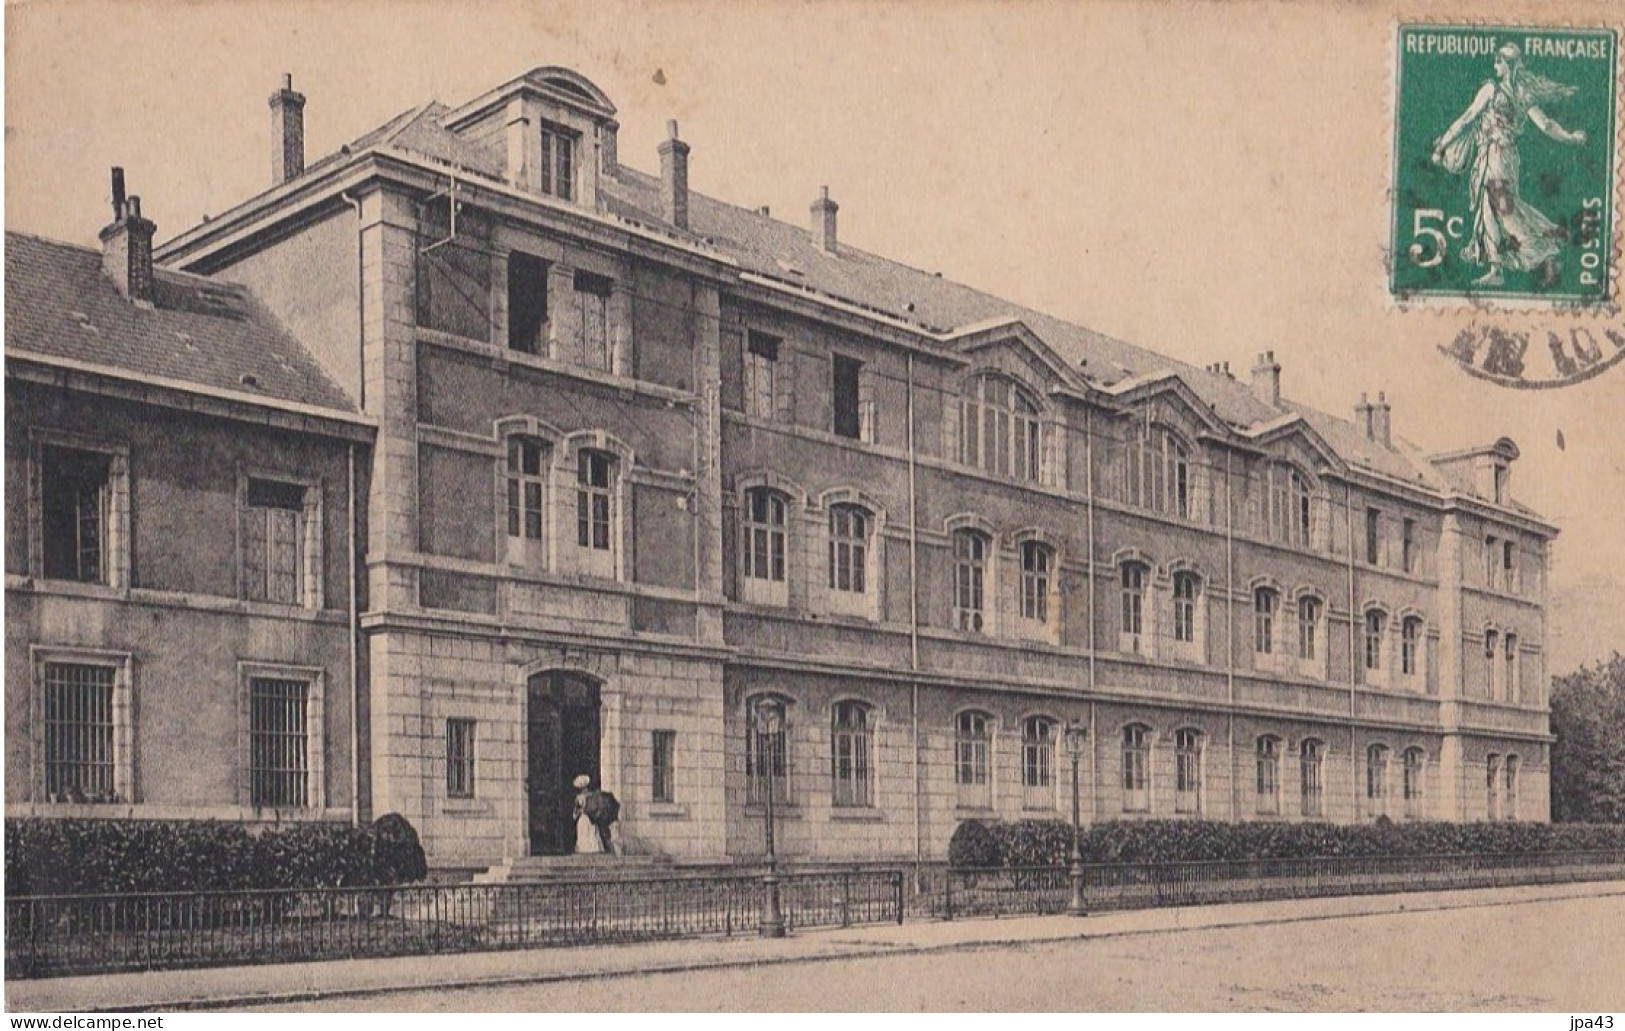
(1565, 955)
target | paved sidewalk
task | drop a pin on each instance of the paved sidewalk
(227, 987)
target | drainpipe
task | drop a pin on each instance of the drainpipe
(1089, 488)
(1356, 627)
(355, 643)
(361, 302)
(1230, 623)
(914, 631)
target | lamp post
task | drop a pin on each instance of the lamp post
(769, 727)
(1075, 736)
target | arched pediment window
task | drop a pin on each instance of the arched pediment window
(1157, 470)
(1001, 430)
(1289, 515)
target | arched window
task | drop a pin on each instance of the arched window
(1492, 787)
(1376, 780)
(973, 739)
(1375, 623)
(1136, 768)
(1492, 668)
(767, 748)
(1513, 681)
(971, 549)
(1038, 762)
(849, 755)
(1266, 602)
(1000, 429)
(1185, 591)
(1269, 776)
(1410, 643)
(1188, 771)
(1037, 569)
(1510, 810)
(1132, 626)
(1309, 610)
(1414, 760)
(1312, 777)
(764, 547)
(528, 459)
(1290, 513)
(1157, 474)
(848, 548)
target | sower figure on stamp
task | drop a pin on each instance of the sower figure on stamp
(1507, 233)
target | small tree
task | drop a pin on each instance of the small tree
(1588, 755)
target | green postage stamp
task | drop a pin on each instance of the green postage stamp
(1504, 164)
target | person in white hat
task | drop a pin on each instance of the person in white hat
(587, 839)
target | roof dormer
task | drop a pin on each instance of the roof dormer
(553, 130)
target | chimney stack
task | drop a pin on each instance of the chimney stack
(674, 177)
(1362, 415)
(823, 220)
(287, 132)
(1381, 421)
(608, 147)
(127, 247)
(1267, 380)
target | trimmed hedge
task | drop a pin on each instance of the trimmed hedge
(96, 857)
(1049, 842)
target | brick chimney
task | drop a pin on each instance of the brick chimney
(1381, 421)
(823, 220)
(1362, 416)
(287, 132)
(674, 178)
(1267, 380)
(127, 247)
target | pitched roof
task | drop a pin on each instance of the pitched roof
(203, 332)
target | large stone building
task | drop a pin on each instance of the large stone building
(647, 460)
(182, 484)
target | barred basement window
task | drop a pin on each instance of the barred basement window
(767, 749)
(459, 758)
(663, 766)
(279, 747)
(79, 760)
(275, 549)
(849, 755)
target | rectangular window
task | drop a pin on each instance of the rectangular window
(459, 758)
(1035, 579)
(592, 298)
(1136, 764)
(79, 760)
(1509, 565)
(1184, 608)
(663, 766)
(1269, 777)
(1264, 622)
(848, 549)
(1133, 626)
(527, 465)
(761, 374)
(1313, 781)
(455, 272)
(75, 500)
(1492, 560)
(1373, 537)
(278, 740)
(1308, 621)
(767, 756)
(970, 577)
(1408, 542)
(848, 420)
(558, 161)
(527, 303)
(1187, 772)
(1410, 638)
(972, 771)
(849, 756)
(274, 542)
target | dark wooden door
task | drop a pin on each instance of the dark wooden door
(563, 742)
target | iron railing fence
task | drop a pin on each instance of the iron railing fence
(56, 935)
(952, 892)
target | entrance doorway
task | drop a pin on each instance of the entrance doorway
(561, 716)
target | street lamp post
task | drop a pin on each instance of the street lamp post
(1075, 737)
(769, 725)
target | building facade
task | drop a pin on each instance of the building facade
(707, 505)
(181, 491)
